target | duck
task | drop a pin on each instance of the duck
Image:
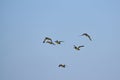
(58, 42)
(47, 38)
(62, 65)
(87, 35)
(78, 48)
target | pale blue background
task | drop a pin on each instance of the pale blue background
(25, 23)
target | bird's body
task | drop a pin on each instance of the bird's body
(78, 48)
(47, 39)
(58, 42)
(62, 65)
(85, 34)
(50, 42)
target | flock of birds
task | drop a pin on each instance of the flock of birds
(50, 41)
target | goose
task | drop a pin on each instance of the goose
(58, 42)
(47, 38)
(85, 34)
(78, 48)
(50, 42)
(62, 65)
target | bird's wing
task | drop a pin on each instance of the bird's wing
(81, 46)
(75, 46)
(85, 34)
(60, 65)
(48, 38)
(56, 41)
(89, 37)
(61, 41)
(44, 40)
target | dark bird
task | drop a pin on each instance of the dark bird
(50, 42)
(78, 48)
(85, 34)
(62, 65)
(47, 38)
(58, 42)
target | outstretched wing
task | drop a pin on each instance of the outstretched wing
(89, 37)
(85, 34)
(61, 65)
(81, 46)
(47, 38)
(61, 41)
(56, 41)
(44, 40)
(75, 46)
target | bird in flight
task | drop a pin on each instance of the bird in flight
(48, 39)
(50, 42)
(78, 48)
(62, 65)
(85, 34)
(58, 42)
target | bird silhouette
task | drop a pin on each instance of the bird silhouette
(85, 34)
(50, 42)
(47, 38)
(62, 65)
(58, 42)
(78, 48)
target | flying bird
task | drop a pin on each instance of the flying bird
(62, 65)
(50, 42)
(78, 48)
(47, 38)
(85, 34)
(58, 42)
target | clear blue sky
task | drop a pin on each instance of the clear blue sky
(25, 23)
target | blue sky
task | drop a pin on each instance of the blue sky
(25, 23)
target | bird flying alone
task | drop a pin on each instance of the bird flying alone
(47, 39)
(85, 34)
(58, 42)
(62, 65)
(78, 48)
